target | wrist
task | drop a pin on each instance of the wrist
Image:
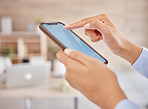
(111, 96)
(129, 51)
(114, 98)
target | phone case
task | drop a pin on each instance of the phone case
(58, 42)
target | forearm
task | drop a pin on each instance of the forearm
(129, 51)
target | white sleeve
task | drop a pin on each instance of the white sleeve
(126, 104)
(141, 64)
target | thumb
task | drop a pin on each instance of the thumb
(67, 61)
(96, 24)
(62, 57)
(78, 56)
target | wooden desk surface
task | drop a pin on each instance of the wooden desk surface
(50, 89)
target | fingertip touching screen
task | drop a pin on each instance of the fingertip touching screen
(70, 40)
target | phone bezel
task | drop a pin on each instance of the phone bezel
(56, 41)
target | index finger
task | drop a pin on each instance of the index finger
(66, 60)
(76, 25)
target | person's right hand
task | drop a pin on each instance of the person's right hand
(101, 28)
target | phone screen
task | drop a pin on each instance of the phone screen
(70, 40)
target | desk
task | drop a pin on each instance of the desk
(41, 91)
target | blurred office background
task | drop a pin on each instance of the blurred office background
(21, 41)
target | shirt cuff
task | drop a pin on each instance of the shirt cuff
(142, 62)
(126, 104)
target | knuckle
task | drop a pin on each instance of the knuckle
(103, 15)
(93, 23)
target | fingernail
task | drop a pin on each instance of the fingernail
(87, 25)
(67, 51)
(67, 27)
(64, 27)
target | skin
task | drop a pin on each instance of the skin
(89, 75)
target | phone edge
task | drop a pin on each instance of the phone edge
(56, 41)
(49, 35)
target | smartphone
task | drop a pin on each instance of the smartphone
(68, 39)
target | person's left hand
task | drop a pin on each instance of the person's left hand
(92, 78)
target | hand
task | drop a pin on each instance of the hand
(92, 78)
(101, 28)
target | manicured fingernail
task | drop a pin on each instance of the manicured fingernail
(87, 25)
(67, 51)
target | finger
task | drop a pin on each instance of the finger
(90, 33)
(84, 59)
(67, 61)
(96, 24)
(62, 57)
(96, 38)
(93, 34)
(80, 23)
(76, 25)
